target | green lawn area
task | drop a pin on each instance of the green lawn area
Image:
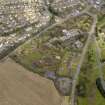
(90, 72)
(101, 21)
(88, 76)
(101, 44)
(63, 70)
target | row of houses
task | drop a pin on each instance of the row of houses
(16, 15)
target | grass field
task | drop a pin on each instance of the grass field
(89, 74)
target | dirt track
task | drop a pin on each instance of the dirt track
(21, 87)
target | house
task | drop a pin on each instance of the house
(71, 34)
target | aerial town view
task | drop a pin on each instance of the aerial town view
(52, 52)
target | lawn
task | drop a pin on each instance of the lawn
(48, 52)
(87, 78)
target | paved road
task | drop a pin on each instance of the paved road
(82, 59)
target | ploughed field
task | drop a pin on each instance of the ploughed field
(18, 86)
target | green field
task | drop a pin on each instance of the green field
(89, 73)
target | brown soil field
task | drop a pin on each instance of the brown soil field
(19, 86)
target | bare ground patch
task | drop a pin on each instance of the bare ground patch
(21, 87)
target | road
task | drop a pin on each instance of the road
(75, 79)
